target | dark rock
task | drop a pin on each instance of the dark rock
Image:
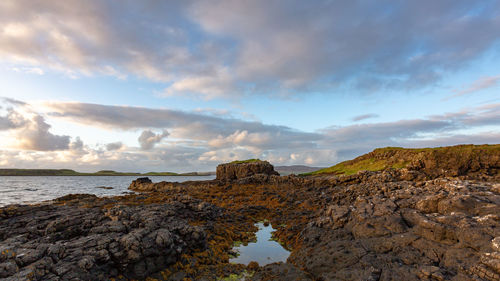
(280, 272)
(235, 171)
(444, 229)
(95, 243)
(104, 187)
(139, 182)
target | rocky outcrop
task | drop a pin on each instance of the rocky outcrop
(472, 161)
(239, 170)
(434, 230)
(140, 183)
(83, 239)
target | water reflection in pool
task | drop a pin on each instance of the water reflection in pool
(264, 251)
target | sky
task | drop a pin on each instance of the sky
(185, 85)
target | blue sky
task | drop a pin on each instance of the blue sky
(180, 86)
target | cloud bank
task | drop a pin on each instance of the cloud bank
(199, 140)
(230, 48)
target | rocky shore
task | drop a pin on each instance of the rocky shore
(394, 224)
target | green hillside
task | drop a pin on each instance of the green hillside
(458, 158)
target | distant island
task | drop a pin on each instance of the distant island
(68, 172)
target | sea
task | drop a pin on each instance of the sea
(36, 189)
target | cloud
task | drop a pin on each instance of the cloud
(29, 128)
(114, 146)
(36, 136)
(364, 116)
(436, 130)
(11, 120)
(183, 125)
(77, 144)
(230, 48)
(29, 70)
(215, 138)
(478, 85)
(199, 140)
(148, 139)
(9, 117)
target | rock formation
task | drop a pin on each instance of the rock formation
(243, 169)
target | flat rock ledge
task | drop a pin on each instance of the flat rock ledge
(84, 240)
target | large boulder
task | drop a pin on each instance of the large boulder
(243, 169)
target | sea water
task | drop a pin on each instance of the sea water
(34, 189)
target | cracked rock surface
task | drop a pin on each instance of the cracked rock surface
(83, 239)
(433, 230)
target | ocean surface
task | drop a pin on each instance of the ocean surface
(34, 189)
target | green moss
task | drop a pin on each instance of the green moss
(237, 243)
(237, 277)
(245, 161)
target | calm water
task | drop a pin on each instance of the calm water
(19, 189)
(264, 251)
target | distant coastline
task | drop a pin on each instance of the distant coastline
(68, 172)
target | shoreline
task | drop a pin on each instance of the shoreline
(396, 224)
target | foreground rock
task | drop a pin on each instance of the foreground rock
(85, 239)
(390, 225)
(441, 230)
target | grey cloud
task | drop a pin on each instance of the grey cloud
(148, 139)
(479, 116)
(114, 146)
(437, 130)
(36, 136)
(383, 131)
(11, 120)
(77, 144)
(212, 139)
(188, 125)
(364, 116)
(455, 139)
(350, 141)
(230, 48)
(349, 40)
(13, 101)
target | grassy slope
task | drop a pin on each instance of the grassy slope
(397, 157)
(245, 161)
